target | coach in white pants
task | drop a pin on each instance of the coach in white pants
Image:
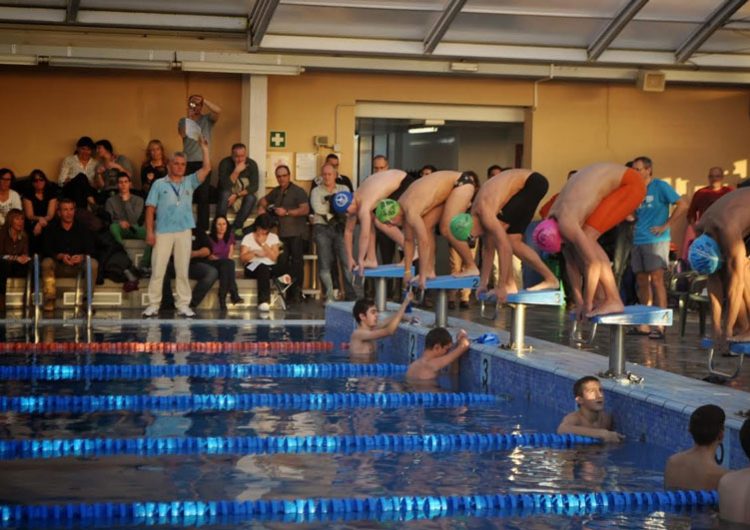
(170, 201)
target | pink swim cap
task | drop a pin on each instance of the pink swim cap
(547, 236)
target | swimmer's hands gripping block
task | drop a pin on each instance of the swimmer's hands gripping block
(740, 348)
(636, 315)
(387, 271)
(453, 282)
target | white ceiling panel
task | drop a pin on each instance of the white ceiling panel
(557, 8)
(657, 36)
(678, 10)
(208, 7)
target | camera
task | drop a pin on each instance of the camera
(271, 209)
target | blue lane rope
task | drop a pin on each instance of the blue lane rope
(247, 445)
(229, 402)
(109, 372)
(408, 507)
(167, 347)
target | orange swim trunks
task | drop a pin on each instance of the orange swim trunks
(616, 206)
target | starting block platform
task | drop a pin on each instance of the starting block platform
(381, 273)
(736, 349)
(442, 284)
(635, 315)
(518, 301)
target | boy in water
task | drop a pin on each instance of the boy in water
(362, 341)
(734, 487)
(590, 418)
(436, 355)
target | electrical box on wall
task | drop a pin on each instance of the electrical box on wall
(651, 81)
(320, 141)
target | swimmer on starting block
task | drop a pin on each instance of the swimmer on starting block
(719, 251)
(595, 199)
(734, 487)
(696, 468)
(433, 199)
(502, 210)
(385, 184)
(436, 356)
(590, 418)
(365, 312)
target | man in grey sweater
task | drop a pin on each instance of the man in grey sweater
(126, 211)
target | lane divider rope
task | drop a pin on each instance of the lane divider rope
(108, 372)
(235, 402)
(396, 507)
(166, 347)
(248, 445)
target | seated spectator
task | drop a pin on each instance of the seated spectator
(155, 166)
(436, 354)
(9, 199)
(259, 253)
(200, 269)
(238, 184)
(80, 162)
(734, 487)
(66, 245)
(222, 257)
(39, 207)
(126, 212)
(590, 418)
(109, 168)
(14, 249)
(696, 468)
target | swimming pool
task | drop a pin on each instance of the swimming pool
(632, 466)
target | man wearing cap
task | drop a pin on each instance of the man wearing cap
(719, 251)
(592, 201)
(386, 184)
(328, 231)
(502, 210)
(431, 201)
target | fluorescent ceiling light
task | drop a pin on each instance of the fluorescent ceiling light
(422, 130)
(239, 68)
(26, 60)
(86, 62)
(464, 67)
(434, 123)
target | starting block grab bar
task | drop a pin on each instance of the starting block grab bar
(739, 349)
(381, 273)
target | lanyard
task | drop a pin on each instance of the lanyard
(176, 190)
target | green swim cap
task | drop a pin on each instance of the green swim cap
(461, 226)
(386, 210)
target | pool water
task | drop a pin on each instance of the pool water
(631, 466)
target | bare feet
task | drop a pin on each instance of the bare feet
(742, 337)
(546, 284)
(371, 264)
(607, 308)
(467, 272)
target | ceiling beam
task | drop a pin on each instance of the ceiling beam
(438, 30)
(258, 21)
(71, 11)
(613, 28)
(717, 19)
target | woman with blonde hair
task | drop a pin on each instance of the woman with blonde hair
(154, 167)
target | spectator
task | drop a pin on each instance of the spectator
(650, 253)
(154, 167)
(380, 163)
(81, 161)
(39, 206)
(9, 199)
(222, 258)
(259, 253)
(14, 249)
(109, 168)
(188, 128)
(328, 231)
(333, 160)
(238, 184)
(126, 213)
(706, 196)
(288, 203)
(494, 170)
(426, 170)
(65, 246)
(200, 269)
(170, 204)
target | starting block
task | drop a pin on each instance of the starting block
(381, 273)
(518, 301)
(740, 349)
(635, 315)
(443, 284)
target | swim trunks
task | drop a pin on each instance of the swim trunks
(467, 177)
(616, 206)
(519, 210)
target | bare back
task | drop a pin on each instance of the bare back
(378, 186)
(428, 192)
(734, 497)
(585, 190)
(728, 219)
(691, 470)
(498, 190)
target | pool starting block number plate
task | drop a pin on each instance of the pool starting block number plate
(453, 282)
(387, 271)
(740, 348)
(544, 297)
(636, 315)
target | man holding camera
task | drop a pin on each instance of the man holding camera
(328, 231)
(288, 203)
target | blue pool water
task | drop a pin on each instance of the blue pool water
(631, 466)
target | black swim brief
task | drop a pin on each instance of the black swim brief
(519, 210)
(405, 183)
(467, 177)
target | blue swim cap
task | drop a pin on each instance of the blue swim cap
(341, 201)
(704, 255)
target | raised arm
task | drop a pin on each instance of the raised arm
(205, 169)
(462, 345)
(387, 329)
